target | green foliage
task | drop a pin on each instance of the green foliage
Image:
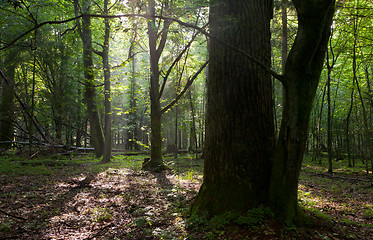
(142, 222)
(186, 166)
(20, 166)
(101, 214)
(6, 226)
(338, 166)
(215, 226)
(15, 165)
(253, 217)
(368, 213)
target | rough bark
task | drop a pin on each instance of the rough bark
(301, 78)
(239, 123)
(97, 138)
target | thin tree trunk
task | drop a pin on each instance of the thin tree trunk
(105, 60)
(156, 162)
(329, 136)
(79, 129)
(193, 132)
(367, 140)
(32, 104)
(134, 121)
(347, 133)
(176, 131)
(28, 116)
(371, 111)
(319, 122)
(7, 104)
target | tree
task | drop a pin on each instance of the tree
(106, 66)
(97, 138)
(104, 54)
(243, 166)
(300, 80)
(239, 122)
(7, 104)
(156, 160)
(133, 113)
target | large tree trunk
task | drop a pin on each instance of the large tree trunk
(239, 123)
(301, 78)
(97, 138)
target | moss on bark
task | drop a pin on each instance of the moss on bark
(219, 198)
(154, 165)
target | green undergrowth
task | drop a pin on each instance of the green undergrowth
(73, 164)
(217, 226)
(13, 165)
(186, 166)
(340, 166)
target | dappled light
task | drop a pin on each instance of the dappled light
(344, 197)
(188, 120)
(119, 201)
(116, 202)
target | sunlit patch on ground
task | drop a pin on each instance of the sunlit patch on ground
(114, 201)
(344, 197)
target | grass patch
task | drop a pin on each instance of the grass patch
(18, 166)
(186, 166)
(340, 166)
(15, 166)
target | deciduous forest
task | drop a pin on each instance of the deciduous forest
(169, 119)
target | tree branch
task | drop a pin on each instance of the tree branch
(187, 85)
(39, 26)
(204, 32)
(188, 25)
(174, 63)
(23, 105)
(166, 26)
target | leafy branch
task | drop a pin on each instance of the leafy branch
(170, 19)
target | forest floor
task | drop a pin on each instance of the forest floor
(77, 198)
